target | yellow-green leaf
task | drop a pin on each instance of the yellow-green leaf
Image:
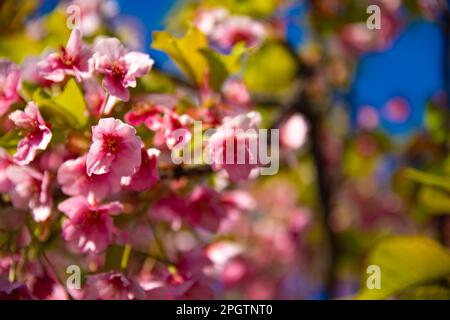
(405, 262)
(184, 51)
(221, 66)
(68, 108)
(271, 69)
(9, 141)
(429, 179)
(72, 101)
(434, 200)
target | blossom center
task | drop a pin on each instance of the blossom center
(111, 143)
(118, 283)
(242, 36)
(118, 70)
(66, 58)
(93, 218)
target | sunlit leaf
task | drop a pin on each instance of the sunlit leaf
(221, 66)
(9, 141)
(114, 256)
(55, 23)
(434, 200)
(72, 101)
(18, 46)
(271, 69)
(405, 261)
(154, 82)
(429, 179)
(248, 7)
(69, 107)
(184, 51)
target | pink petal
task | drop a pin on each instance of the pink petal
(75, 43)
(115, 88)
(98, 162)
(138, 63)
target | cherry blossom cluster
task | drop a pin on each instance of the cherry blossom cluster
(106, 186)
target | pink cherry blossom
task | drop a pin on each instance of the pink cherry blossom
(30, 72)
(94, 95)
(237, 201)
(204, 209)
(225, 30)
(9, 85)
(30, 190)
(191, 281)
(52, 159)
(237, 29)
(37, 133)
(119, 67)
(75, 181)
(397, 110)
(168, 209)
(147, 174)
(234, 271)
(234, 146)
(207, 20)
(71, 60)
(182, 289)
(173, 130)
(161, 118)
(236, 92)
(221, 253)
(42, 281)
(196, 265)
(112, 286)
(115, 147)
(92, 12)
(293, 132)
(358, 39)
(91, 226)
(5, 162)
(14, 291)
(149, 114)
(367, 117)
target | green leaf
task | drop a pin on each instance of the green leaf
(247, 7)
(405, 262)
(17, 46)
(72, 101)
(221, 66)
(272, 69)
(154, 82)
(184, 51)
(434, 200)
(9, 141)
(55, 24)
(428, 179)
(113, 258)
(68, 108)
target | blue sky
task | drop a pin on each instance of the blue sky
(412, 68)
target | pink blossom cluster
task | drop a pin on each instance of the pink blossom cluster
(75, 195)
